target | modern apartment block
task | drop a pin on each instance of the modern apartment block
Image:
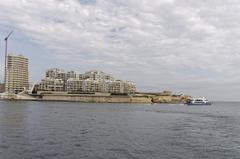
(89, 82)
(50, 84)
(55, 74)
(16, 74)
(86, 86)
(104, 86)
(55, 80)
(97, 76)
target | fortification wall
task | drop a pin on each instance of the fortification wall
(95, 99)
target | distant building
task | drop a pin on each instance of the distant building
(55, 73)
(97, 76)
(89, 82)
(116, 86)
(55, 80)
(129, 87)
(75, 85)
(16, 74)
(70, 74)
(2, 87)
(50, 84)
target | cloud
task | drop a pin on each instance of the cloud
(152, 41)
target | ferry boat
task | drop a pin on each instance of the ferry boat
(198, 101)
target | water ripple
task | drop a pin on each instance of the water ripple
(52, 130)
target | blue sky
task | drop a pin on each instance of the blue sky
(189, 47)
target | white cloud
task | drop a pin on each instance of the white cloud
(147, 40)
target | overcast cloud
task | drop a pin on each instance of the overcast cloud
(188, 46)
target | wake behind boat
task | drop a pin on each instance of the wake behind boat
(198, 101)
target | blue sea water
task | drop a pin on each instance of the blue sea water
(59, 130)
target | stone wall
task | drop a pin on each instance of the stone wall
(141, 99)
(95, 98)
(170, 99)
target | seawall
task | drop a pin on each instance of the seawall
(95, 98)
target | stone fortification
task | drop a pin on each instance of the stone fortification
(95, 98)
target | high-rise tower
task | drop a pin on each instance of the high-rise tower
(16, 74)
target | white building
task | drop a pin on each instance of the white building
(89, 82)
(75, 85)
(55, 73)
(55, 80)
(50, 84)
(98, 76)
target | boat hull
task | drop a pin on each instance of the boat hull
(198, 101)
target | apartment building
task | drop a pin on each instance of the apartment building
(116, 86)
(16, 74)
(2, 87)
(55, 80)
(50, 84)
(129, 87)
(91, 86)
(89, 82)
(97, 76)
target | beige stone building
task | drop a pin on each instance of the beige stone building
(16, 74)
(50, 84)
(75, 85)
(2, 87)
(129, 87)
(116, 86)
(58, 77)
(97, 76)
(89, 82)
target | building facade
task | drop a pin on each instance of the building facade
(89, 82)
(2, 87)
(92, 86)
(97, 76)
(55, 80)
(16, 74)
(50, 84)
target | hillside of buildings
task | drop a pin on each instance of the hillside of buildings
(57, 80)
(91, 86)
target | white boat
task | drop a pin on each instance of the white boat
(198, 101)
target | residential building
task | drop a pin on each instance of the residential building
(55, 73)
(16, 74)
(116, 86)
(129, 87)
(50, 84)
(75, 85)
(2, 87)
(70, 74)
(57, 76)
(97, 76)
(89, 82)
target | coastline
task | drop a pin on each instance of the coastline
(97, 98)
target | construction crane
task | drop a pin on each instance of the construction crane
(6, 54)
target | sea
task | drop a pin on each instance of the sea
(65, 130)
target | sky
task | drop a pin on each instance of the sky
(186, 46)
